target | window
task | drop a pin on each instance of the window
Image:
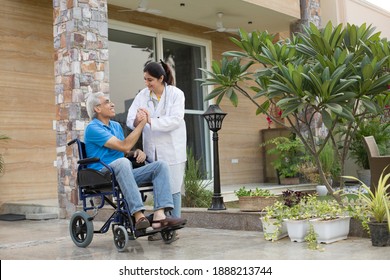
(130, 50)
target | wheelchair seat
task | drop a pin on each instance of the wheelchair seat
(92, 179)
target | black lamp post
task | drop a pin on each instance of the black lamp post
(214, 117)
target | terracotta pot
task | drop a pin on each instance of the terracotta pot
(255, 203)
(289, 181)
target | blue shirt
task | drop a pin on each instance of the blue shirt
(96, 135)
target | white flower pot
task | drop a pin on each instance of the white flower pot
(329, 231)
(321, 190)
(297, 229)
(270, 227)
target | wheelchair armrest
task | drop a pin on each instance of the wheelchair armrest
(88, 160)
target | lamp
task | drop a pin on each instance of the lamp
(214, 117)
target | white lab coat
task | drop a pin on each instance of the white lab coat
(166, 137)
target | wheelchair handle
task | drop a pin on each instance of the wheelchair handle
(72, 142)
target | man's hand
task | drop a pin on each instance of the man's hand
(131, 139)
(139, 156)
(142, 114)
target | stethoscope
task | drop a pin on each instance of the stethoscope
(152, 105)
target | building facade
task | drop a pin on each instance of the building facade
(54, 52)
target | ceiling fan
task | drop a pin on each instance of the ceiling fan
(142, 8)
(220, 26)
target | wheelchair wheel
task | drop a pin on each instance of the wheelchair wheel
(121, 238)
(81, 229)
(168, 236)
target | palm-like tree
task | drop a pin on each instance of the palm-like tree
(340, 73)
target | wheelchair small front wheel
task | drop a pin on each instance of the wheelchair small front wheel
(121, 238)
(168, 236)
(81, 229)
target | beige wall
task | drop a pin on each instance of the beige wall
(288, 7)
(356, 12)
(27, 107)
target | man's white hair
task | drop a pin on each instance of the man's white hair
(92, 101)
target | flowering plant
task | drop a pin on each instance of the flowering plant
(269, 121)
(275, 112)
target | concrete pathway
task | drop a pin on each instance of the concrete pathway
(50, 240)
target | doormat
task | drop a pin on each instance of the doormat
(12, 217)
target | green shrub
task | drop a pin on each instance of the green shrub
(257, 192)
(289, 151)
(196, 192)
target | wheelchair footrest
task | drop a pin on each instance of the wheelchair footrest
(150, 231)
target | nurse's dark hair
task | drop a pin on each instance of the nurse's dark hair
(157, 70)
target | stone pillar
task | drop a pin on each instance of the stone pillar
(80, 29)
(310, 12)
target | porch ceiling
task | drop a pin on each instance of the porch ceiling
(273, 16)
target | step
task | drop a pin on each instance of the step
(48, 209)
(33, 209)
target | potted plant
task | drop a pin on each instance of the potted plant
(254, 200)
(296, 215)
(377, 204)
(327, 218)
(357, 151)
(297, 221)
(290, 153)
(274, 220)
(331, 221)
(274, 226)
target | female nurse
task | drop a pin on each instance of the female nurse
(164, 136)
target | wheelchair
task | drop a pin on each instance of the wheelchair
(96, 185)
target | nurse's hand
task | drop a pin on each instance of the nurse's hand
(141, 117)
(144, 112)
